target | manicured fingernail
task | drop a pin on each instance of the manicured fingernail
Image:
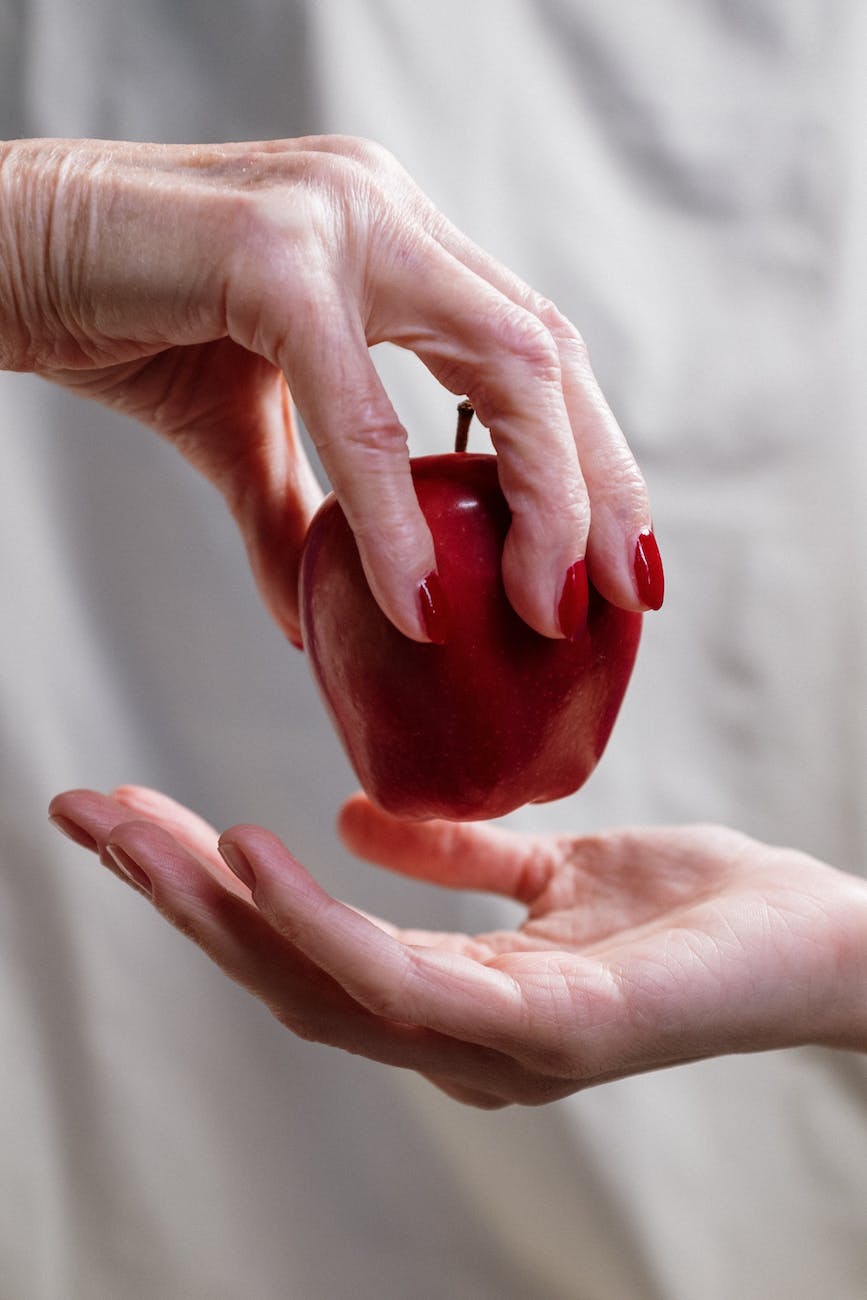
(572, 609)
(298, 644)
(73, 831)
(434, 608)
(649, 578)
(128, 867)
(238, 863)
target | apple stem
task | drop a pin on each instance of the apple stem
(465, 419)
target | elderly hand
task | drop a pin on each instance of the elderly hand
(640, 948)
(196, 287)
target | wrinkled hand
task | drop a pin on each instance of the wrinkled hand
(195, 287)
(640, 949)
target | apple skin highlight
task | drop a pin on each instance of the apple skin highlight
(497, 716)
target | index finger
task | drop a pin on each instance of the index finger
(439, 990)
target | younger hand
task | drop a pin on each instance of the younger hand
(640, 948)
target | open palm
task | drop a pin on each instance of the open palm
(641, 948)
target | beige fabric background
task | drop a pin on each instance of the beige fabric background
(688, 182)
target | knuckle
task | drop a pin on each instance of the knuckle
(372, 434)
(521, 332)
(374, 157)
(570, 343)
(548, 313)
(349, 171)
(560, 326)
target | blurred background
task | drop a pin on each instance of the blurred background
(687, 182)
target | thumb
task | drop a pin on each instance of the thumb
(258, 463)
(229, 413)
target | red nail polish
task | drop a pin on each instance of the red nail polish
(572, 609)
(649, 578)
(434, 608)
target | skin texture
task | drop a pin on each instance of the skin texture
(640, 949)
(206, 290)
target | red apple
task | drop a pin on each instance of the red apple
(496, 717)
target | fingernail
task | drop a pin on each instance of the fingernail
(434, 608)
(128, 867)
(649, 577)
(72, 831)
(572, 609)
(238, 863)
(298, 644)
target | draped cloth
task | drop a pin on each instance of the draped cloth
(687, 182)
